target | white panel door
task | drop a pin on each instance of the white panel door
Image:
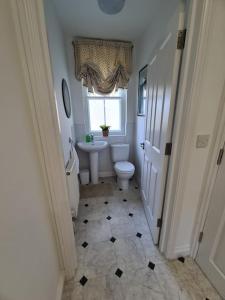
(211, 253)
(162, 86)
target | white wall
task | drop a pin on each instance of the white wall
(56, 41)
(105, 163)
(146, 46)
(29, 266)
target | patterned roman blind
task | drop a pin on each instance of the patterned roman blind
(103, 65)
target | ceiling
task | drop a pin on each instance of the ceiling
(84, 18)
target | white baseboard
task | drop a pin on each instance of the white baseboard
(180, 251)
(106, 174)
(60, 285)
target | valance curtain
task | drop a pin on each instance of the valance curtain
(102, 65)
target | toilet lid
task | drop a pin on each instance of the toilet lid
(124, 166)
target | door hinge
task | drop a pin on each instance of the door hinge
(200, 237)
(168, 149)
(181, 39)
(159, 223)
(220, 156)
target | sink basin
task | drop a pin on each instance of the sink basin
(93, 149)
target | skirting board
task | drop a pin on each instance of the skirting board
(60, 286)
(180, 251)
(106, 174)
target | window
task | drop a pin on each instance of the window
(107, 109)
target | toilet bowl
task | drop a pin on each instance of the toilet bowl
(124, 171)
(123, 168)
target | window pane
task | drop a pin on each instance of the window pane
(117, 93)
(96, 111)
(94, 94)
(114, 93)
(113, 113)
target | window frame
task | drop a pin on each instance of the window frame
(123, 113)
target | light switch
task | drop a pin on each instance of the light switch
(202, 141)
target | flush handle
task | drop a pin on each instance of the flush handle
(142, 145)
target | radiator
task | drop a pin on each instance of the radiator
(72, 170)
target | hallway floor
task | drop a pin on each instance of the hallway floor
(117, 258)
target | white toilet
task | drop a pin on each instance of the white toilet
(123, 168)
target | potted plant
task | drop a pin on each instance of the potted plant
(105, 130)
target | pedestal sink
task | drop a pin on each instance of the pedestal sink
(93, 149)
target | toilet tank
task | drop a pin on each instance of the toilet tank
(120, 152)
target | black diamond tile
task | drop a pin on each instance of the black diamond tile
(139, 234)
(181, 259)
(124, 200)
(84, 245)
(119, 273)
(85, 221)
(151, 265)
(113, 239)
(106, 202)
(86, 205)
(83, 280)
(136, 187)
(102, 182)
(207, 299)
(108, 218)
(131, 215)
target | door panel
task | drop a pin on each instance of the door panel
(219, 257)
(158, 116)
(152, 188)
(211, 253)
(161, 94)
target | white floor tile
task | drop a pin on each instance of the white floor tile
(101, 258)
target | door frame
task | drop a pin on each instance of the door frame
(189, 86)
(29, 22)
(218, 140)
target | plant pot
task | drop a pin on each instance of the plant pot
(105, 133)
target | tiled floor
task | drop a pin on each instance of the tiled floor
(117, 258)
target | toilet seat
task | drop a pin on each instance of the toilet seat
(124, 167)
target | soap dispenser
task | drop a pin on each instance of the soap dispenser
(87, 138)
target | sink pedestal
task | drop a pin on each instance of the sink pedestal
(94, 167)
(93, 149)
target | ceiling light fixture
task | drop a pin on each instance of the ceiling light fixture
(111, 7)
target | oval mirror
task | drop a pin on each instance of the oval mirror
(66, 98)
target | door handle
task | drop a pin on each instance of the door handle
(142, 145)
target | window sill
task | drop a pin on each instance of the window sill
(100, 137)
